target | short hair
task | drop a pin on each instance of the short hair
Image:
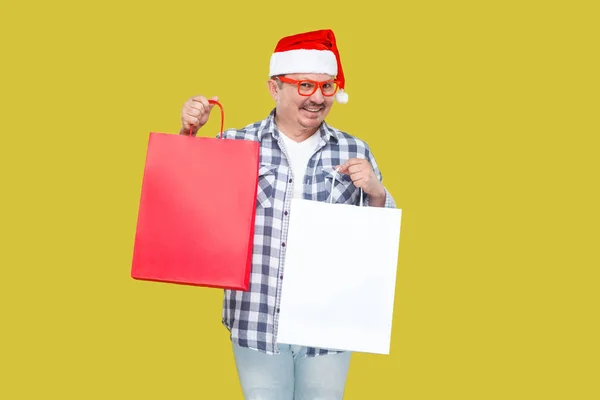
(279, 83)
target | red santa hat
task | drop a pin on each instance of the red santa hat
(311, 53)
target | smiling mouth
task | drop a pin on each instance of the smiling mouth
(313, 108)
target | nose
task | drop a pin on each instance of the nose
(317, 96)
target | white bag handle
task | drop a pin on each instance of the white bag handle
(335, 172)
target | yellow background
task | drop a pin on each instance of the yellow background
(482, 115)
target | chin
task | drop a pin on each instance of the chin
(310, 123)
(314, 121)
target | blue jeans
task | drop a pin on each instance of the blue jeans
(291, 375)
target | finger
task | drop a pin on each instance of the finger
(211, 105)
(353, 169)
(351, 162)
(203, 100)
(186, 126)
(193, 111)
(359, 182)
(207, 105)
(200, 103)
(357, 177)
(195, 108)
(339, 169)
(188, 121)
(343, 168)
(355, 161)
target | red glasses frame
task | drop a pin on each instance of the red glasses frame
(317, 85)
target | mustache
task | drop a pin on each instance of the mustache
(311, 104)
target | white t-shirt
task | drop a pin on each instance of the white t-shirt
(299, 153)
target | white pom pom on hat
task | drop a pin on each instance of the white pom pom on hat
(341, 96)
(312, 52)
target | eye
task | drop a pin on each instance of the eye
(306, 85)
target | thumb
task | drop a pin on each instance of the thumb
(342, 168)
(214, 98)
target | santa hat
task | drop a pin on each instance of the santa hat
(311, 53)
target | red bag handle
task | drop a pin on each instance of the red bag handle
(222, 117)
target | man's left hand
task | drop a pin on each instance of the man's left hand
(362, 175)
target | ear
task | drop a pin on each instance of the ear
(273, 89)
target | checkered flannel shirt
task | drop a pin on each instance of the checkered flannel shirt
(251, 317)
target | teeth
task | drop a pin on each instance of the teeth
(312, 109)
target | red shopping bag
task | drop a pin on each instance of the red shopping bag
(196, 214)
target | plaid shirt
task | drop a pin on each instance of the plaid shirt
(252, 317)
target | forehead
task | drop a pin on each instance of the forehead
(312, 77)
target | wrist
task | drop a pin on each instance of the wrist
(377, 198)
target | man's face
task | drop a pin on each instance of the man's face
(306, 111)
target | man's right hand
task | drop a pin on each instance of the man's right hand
(195, 112)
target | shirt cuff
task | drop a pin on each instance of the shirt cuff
(389, 200)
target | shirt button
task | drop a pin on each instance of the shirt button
(283, 244)
(290, 180)
(278, 310)
(285, 213)
(280, 276)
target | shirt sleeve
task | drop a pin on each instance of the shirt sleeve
(389, 199)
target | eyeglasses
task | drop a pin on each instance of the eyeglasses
(307, 87)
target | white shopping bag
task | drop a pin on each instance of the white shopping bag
(340, 276)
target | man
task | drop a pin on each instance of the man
(299, 157)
